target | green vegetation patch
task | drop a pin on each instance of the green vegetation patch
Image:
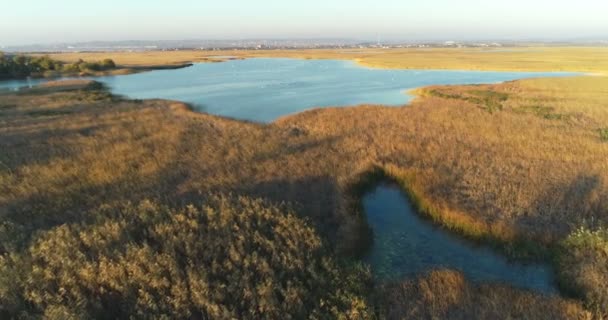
(83, 66)
(487, 99)
(21, 66)
(439, 94)
(489, 95)
(583, 267)
(604, 134)
(543, 112)
(491, 100)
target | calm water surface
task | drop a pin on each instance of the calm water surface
(406, 245)
(265, 89)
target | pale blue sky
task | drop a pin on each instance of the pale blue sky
(47, 21)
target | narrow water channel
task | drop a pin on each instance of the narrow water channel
(406, 245)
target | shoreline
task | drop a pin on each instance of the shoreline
(504, 238)
(509, 243)
(118, 71)
(532, 59)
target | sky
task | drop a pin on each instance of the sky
(56, 21)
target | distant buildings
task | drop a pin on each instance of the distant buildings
(262, 44)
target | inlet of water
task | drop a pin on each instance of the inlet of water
(406, 245)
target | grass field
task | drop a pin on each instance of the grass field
(579, 59)
(520, 164)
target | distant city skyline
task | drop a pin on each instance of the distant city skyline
(65, 21)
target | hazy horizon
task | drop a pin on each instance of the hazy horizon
(68, 21)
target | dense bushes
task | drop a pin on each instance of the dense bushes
(108, 64)
(228, 258)
(84, 66)
(584, 267)
(20, 66)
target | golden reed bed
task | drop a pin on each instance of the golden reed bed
(519, 164)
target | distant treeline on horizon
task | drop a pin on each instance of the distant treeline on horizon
(22, 66)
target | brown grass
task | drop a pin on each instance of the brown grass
(446, 294)
(508, 172)
(580, 59)
(144, 59)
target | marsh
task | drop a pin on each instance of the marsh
(264, 89)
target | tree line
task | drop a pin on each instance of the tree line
(21, 66)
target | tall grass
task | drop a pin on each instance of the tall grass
(580, 59)
(445, 294)
(583, 266)
(507, 176)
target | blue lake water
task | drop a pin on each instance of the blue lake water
(267, 88)
(406, 245)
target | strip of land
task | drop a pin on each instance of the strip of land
(24, 66)
(574, 59)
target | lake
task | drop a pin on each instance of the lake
(264, 89)
(406, 245)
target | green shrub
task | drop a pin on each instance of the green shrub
(90, 66)
(491, 100)
(487, 99)
(72, 67)
(45, 63)
(604, 134)
(583, 267)
(20, 66)
(108, 64)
